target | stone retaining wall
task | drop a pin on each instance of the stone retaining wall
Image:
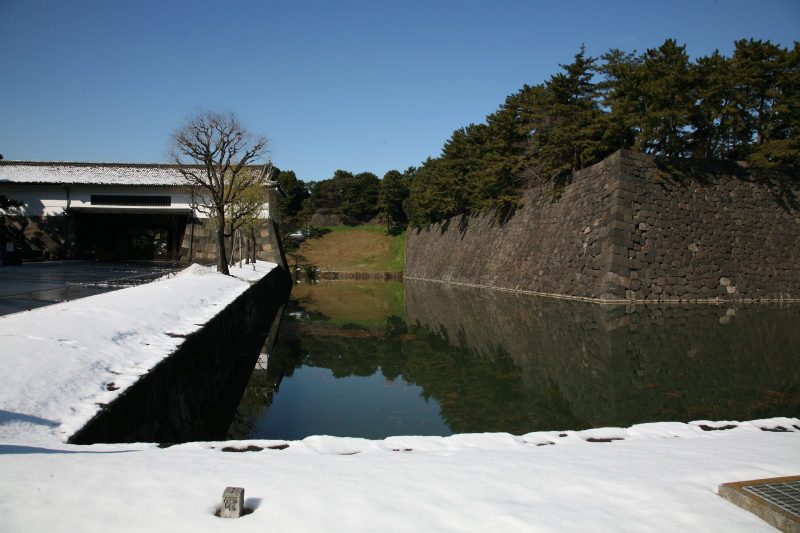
(626, 230)
(39, 237)
(200, 243)
(193, 393)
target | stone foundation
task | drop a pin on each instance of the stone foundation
(200, 243)
(626, 230)
(56, 237)
(39, 237)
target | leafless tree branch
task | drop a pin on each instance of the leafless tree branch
(214, 153)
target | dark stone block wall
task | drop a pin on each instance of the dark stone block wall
(39, 237)
(627, 230)
(200, 244)
(193, 393)
(709, 233)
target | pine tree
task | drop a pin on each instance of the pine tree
(766, 100)
(665, 86)
(393, 195)
(575, 139)
(432, 193)
(289, 206)
(622, 98)
(712, 116)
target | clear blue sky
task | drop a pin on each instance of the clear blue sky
(361, 86)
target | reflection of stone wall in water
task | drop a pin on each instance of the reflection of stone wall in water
(620, 366)
(624, 230)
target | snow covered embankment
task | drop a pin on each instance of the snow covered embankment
(659, 477)
(63, 362)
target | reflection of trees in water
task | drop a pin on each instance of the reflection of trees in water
(502, 362)
(257, 396)
(265, 383)
(476, 393)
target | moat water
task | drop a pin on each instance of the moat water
(375, 359)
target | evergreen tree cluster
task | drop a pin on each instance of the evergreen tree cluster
(357, 198)
(354, 197)
(742, 107)
(290, 205)
(393, 199)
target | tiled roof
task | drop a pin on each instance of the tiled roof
(89, 173)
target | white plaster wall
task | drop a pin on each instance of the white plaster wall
(54, 199)
(81, 195)
(39, 200)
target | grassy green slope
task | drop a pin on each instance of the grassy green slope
(352, 249)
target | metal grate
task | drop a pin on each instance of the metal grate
(784, 495)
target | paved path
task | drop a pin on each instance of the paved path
(37, 284)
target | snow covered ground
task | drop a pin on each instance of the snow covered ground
(59, 361)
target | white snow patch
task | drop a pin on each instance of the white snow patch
(195, 270)
(603, 434)
(779, 423)
(253, 271)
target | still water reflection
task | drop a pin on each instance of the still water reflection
(381, 358)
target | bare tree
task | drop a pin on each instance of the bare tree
(246, 214)
(213, 151)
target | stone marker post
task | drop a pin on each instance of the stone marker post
(232, 502)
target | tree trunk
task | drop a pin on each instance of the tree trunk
(232, 258)
(239, 243)
(222, 260)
